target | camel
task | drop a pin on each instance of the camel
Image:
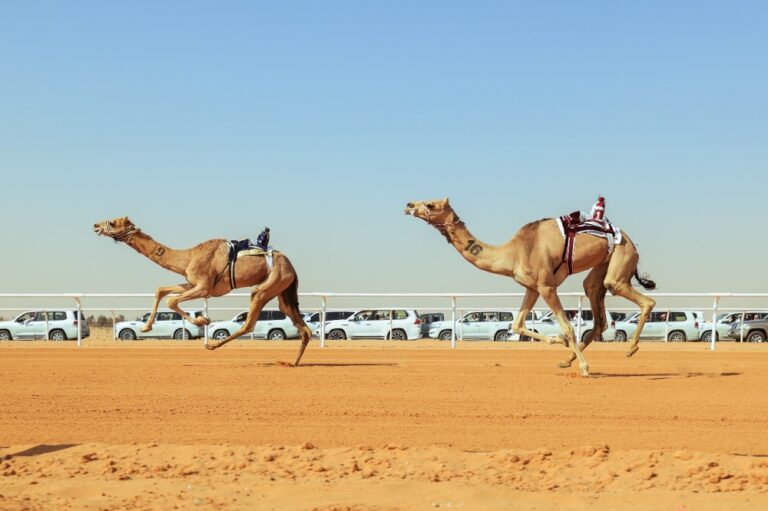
(205, 267)
(534, 257)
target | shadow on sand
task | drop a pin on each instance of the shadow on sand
(317, 364)
(43, 449)
(661, 376)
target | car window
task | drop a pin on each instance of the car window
(176, 316)
(164, 316)
(678, 316)
(143, 318)
(399, 315)
(27, 316)
(278, 315)
(586, 315)
(506, 316)
(58, 316)
(264, 316)
(39, 316)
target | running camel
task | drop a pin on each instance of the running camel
(534, 259)
(206, 269)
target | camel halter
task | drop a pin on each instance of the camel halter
(125, 236)
(443, 227)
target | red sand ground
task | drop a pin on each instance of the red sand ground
(381, 426)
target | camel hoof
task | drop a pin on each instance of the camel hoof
(632, 351)
(211, 347)
(584, 370)
(564, 365)
(146, 328)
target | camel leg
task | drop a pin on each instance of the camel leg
(549, 294)
(199, 291)
(161, 293)
(645, 303)
(288, 303)
(595, 291)
(518, 325)
(260, 296)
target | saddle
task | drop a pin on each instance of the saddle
(577, 223)
(246, 247)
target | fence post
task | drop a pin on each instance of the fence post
(114, 326)
(205, 328)
(714, 324)
(579, 320)
(741, 327)
(79, 322)
(322, 321)
(453, 321)
(666, 327)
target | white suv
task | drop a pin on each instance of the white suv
(62, 325)
(312, 319)
(168, 325)
(487, 325)
(549, 326)
(672, 325)
(398, 324)
(272, 324)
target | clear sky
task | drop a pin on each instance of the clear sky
(204, 120)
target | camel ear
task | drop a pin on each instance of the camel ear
(447, 203)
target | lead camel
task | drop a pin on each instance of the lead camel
(534, 259)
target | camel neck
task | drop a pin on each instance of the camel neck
(482, 255)
(170, 259)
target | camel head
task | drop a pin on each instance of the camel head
(119, 229)
(434, 212)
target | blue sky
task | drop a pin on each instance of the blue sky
(208, 120)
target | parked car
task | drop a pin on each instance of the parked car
(312, 319)
(678, 326)
(168, 325)
(428, 319)
(549, 326)
(755, 330)
(272, 324)
(399, 324)
(62, 324)
(724, 322)
(475, 325)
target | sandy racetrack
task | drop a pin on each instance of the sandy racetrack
(381, 425)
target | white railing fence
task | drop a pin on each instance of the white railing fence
(450, 302)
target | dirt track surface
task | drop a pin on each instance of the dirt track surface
(382, 425)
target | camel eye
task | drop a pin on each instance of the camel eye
(430, 206)
(111, 223)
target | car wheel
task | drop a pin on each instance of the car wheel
(586, 335)
(182, 334)
(127, 335)
(525, 338)
(398, 335)
(755, 336)
(707, 336)
(445, 335)
(57, 335)
(676, 336)
(621, 336)
(220, 335)
(337, 335)
(276, 335)
(501, 335)
(5, 335)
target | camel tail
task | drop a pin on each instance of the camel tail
(291, 294)
(645, 281)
